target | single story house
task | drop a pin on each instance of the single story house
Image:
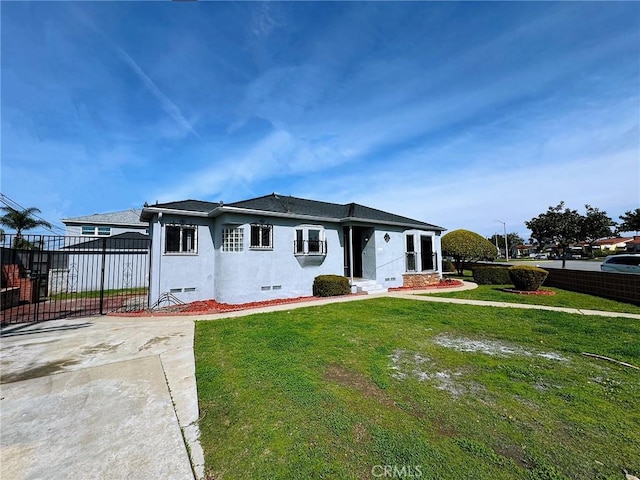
(274, 246)
(612, 244)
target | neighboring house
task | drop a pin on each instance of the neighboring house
(103, 250)
(522, 251)
(612, 244)
(274, 246)
(634, 245)
(106, 224)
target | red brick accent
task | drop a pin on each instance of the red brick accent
(420, 280)
(14, 279)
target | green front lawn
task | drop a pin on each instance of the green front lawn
(562, 298)
(436, 390)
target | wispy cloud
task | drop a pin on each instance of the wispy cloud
(168, 106)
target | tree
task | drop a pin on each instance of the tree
(558, 226)
(21, 220)
(465, 246)
(513, 239)
(595, 225)
(630, 221)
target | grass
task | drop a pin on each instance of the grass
(342, 390)
(96, 293)
(562, 298)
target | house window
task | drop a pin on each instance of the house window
(232, 239)
(410, 254)
(180, 239)
(310, 240)
(93, 230)
(261, 236)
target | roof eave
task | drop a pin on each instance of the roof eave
(417, 226)
(148, 213)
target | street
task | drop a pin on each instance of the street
(589, 265)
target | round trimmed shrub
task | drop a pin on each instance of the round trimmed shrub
(491, 275)
(330, 286)
(527, 278)
(447, 266)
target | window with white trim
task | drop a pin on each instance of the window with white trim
(92, 230)
(181, 239)
(310, 239)
(233, 239)
(261, 236)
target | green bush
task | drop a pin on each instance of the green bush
(330, 286)
(527, 278)
(447, 266)
(491, 275)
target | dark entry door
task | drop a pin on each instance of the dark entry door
(357, 252)
(426, 253)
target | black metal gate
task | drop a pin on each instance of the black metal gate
(49, 277)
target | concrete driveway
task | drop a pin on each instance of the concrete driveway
(100, 397)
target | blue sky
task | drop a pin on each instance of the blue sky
(458, 114)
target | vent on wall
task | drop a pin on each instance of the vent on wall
(180, 290)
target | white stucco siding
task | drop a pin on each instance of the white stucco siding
(390, 264)
(391, 258)
(257, 275)
(188, 276)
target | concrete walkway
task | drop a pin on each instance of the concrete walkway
(115, 397)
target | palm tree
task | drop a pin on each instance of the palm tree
(20, 220)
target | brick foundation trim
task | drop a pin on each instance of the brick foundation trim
(420, 280)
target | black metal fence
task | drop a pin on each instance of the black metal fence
(49, 277)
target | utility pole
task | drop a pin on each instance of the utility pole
(506, 243)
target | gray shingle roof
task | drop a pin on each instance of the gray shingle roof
(295, 206)
(124, 217)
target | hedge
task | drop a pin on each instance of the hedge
(447, 266)
(331, 286)
(527, 278)
(491, 275)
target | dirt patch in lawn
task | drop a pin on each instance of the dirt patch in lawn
(348, 378)
(492, 347)
(407, 365)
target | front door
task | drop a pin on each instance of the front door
(426, 253)
(357, 252)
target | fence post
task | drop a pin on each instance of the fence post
(102, 267)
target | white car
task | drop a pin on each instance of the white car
(623, 263)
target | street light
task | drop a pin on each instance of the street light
(506, 244)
